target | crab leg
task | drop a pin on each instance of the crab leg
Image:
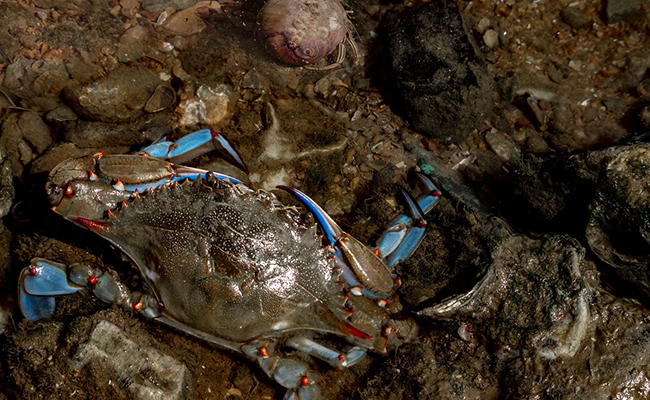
(133, 172)
(43, 280)
(333, 357)
(406, 232)
(194, 145)
(292, 374)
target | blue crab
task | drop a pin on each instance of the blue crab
(228, 264)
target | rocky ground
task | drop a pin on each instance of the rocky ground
(531, 116)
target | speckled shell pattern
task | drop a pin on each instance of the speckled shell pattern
(302, 32)
(229, 261)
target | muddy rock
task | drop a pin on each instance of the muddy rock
(538, 339)
(443, 84)
(145, 371)
(618, 230)
(617, 10)
(7, 191)
(119, 96)
(88, 134)
(25, 136)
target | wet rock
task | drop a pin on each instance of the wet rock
(61, 115)
(160, 5)
(132, 44)
(491, 38)
(503, 147)
(252, 80)
(163, 96)
(88, 134)
(119, 96)
(341, 205)
(574, 17)
(541, 310)
(618, 230)
(617, 10)
(7, 191)
(185, 22)
(535, 144)
(443, 86)
(212, 105)
(25, 136)
(636, 66)
(29, 78)
(145, 371)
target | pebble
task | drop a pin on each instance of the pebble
(252, 80)
(491, 38)
(132, 44)
(185, 22)
(483, 25)
(24, 136)
(614, 104)
(535, 144)
(574, 17)
(163, 96)
(108, 347)
(341, 205)
(212, 105)
(617, 10)
(60, 115)
(504, 148)
(7, 192)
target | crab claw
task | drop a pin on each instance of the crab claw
(194, 145)
(406, 232)
(359, 265)
(37, 286)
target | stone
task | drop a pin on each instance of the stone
(618, 10)
(574, 17)
(491, 38)
(148, 373)
(618, 228)
(443, 86)
(163, 96)
(119, 96)
(7, 192)
(92, 134)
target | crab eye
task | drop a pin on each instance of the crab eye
(69, 191)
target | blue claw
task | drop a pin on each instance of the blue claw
(405, 234)
(38, 284)
(194, 145)
(46, 278)
(360, 267)
(431, 193)
(34, 308)
(331, 230)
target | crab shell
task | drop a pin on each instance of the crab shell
(232, 265)
(301, 32)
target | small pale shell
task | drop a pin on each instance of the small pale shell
(302, 32)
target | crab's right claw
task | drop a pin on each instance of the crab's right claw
(406, 232)
(194, 145)
(37, 286)
(360, 267)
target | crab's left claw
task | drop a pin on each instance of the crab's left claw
(37, 286)
(194, 145)
(360, 267)
(406, 232)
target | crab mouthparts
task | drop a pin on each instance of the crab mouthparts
(90, 224)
